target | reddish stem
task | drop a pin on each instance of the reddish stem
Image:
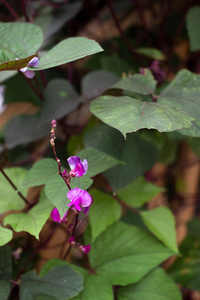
(11, 10)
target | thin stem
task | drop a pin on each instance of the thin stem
(38, 94)
(11, 10)
(24, 10)
(123, 36)
(13, 185)
(43, 78)
(73, 233)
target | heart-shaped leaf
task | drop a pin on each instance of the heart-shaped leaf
(5, 235)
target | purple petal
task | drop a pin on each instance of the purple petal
(85, 166)
(86, 199)
(29, 74)
(86, 248)
(34, 62)
(56, 216)
(77, 204)
(71, 239)
(73, 161)
(78, 171)
(23, 69)
(72, 194)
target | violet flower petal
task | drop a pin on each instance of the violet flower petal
(86, 199)
(73, 161)
(56, 216)
(34, 62)
(29, 74)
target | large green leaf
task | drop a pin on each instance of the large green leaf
(138, 83)
(98, 161)
(138, 192)
(68, 50)
(96, 287)
(25, 129)
(193, 27)
(5, 271)
(32, 221)
(125, 253)
(154, 286)
(129, 115)
(9, 198)
(19, 40)
(186, 269)
(138, 154)
(183, 94)
(40, 173)
(60, 99)
(61, 282)
(5, 235)
(104, 211)
(161, 222)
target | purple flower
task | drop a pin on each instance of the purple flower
(85, 249)
(78, 198)
(72, 240)
(32, 63)
(56, 216)
(78, 168)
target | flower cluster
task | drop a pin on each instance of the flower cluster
(78, 198)
(32, 63)
(73, 243)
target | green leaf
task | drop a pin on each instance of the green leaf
(60, 100)
(95, 288)
(151, 52)
(83, 182)
(40, 173)
(56, 191)
(193, 27)
(32, 221)
(19, 40)
(183, 94)
(61, 282)
(124, 253)
(186, 269)
(138, 192)
(98, 161)
(138, 154)
(16, 64)
(161, 222)
(9, 198)
(104, 211)
(96, 82)
(129, 115)
(3, 57)
(5, 272)
(68, 50)
(5, 235)
(139, 83)
(154, 286)
(6, 75)
(25, 129)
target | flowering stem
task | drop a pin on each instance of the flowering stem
(73, 233)
(40, 96)
(13, 185)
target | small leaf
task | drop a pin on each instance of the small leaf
(104, 211)
(33, 221)
(151, 52)
(98, 161)
(154, 286)
(138, 83)
(124, 253)
(9, 198)
(161, 222)
(193, 27)
(16, 64)
(129, 115)
(68, 50)
(138, 192)
(61, 282)
(20, 40)
(40, 173)
(5, 271)
(5, 235)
